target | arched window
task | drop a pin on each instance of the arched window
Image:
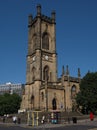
(45, 41)
(32, 101)
(54, 104)
(34, 42)
(46, 73)
(42, 96)
(33, 73)
(73, 91)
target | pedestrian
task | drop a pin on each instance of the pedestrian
(43, 118)
(91, 116)
(14, 119)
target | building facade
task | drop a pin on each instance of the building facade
(43, 89)
(12, 88)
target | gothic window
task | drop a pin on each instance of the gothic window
(32, 101)
(46, 73)
(42, 96)
(54, 104)
(34, 42)
(73, 91)
(45, 41)
(33, 73)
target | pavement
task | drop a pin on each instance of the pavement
(50, 125)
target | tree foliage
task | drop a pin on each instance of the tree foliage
(9, 103)
(87, 97)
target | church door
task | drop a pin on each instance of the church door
(54, 104)
(32, 102)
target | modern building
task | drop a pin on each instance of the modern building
(12, 88)
(43, 89)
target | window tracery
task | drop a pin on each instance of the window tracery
(46, 73)
(73, 91)
(45, 41)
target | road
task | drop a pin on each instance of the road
(90, 125)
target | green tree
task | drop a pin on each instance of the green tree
(9, 103)
(87, 97)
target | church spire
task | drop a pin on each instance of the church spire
(79, 75)
(67, 71)
(53, 16)
(63, 71)
(38, 10)
(67, 74)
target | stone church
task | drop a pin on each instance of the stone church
(43, 89)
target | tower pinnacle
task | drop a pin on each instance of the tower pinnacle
(79, 75)
(67, 71)
(38, 10)
(63, 71)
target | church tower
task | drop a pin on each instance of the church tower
(41, 57)
(43, 89)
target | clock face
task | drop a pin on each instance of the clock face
(46, 57)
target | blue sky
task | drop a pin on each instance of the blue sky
(76, 35)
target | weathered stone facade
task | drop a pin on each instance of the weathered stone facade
(43, 89)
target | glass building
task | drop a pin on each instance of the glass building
(12, 88)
